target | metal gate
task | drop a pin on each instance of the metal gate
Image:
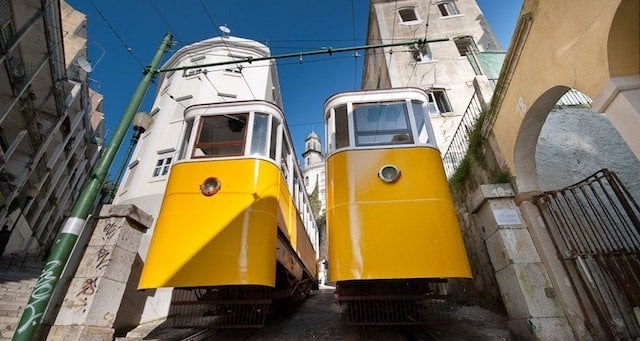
(595, 228)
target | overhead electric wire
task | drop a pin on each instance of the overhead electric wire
(116, 33)
(250, 59)
(426, 28)
(228, 49)
(175, 33)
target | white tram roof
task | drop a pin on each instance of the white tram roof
(219, 108)
(375, 95)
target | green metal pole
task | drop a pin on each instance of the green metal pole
(61, 249)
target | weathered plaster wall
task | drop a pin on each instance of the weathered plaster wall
(575, 143)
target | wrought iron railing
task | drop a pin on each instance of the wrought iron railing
(457, 149)
(573, 97)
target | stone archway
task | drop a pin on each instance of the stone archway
(559, 145)
(525, 146)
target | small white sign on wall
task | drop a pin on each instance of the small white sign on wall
(506, 216)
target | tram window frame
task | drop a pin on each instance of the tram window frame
(186, 137)
(285, 162)
(393, 136)
(260, 135)
(421, 121)
(341, 126)
(234, 147)
(273, 144)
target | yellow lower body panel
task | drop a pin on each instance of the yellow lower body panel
(405, 229)
(225, 239)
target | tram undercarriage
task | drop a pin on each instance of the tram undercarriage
(391, 301)
(243, 306)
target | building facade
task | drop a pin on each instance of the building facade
(49, 120)
(145, 178)
(445, 69)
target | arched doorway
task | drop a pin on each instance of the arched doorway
(589, 216)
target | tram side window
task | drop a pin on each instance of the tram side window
(185, 140)
(381, 123)
(284, 161)
(259, 139)
(274, 138)
(222, 135)
(421, 122)
(342, 127)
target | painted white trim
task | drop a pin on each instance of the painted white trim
(73, 225)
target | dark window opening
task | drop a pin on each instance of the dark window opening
(162, 167)
(222, 135)
(421, 53)
(438, 102)
(408, 15)
(465, 45)
(448, 8)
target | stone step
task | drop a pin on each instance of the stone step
(14, 296)
(10, 313)
(16, 287)
(9, 321)
(7, 329)
(11, 306)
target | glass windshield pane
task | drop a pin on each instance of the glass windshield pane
(260, 140)
(222, 135)
(421, 123)
(382, 123)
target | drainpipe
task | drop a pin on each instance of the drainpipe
(62, 247)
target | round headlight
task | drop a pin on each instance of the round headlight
(389, 173)
(210, 186)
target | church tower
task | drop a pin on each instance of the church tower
(313, 170)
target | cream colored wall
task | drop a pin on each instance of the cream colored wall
(74, 32)
(568, 45)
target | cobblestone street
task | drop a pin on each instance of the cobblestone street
(320, 317)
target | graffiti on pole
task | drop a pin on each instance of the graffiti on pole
(41, 292)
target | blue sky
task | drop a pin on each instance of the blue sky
(123, 36)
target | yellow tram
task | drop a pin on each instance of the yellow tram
(235, 230)
(393, 233)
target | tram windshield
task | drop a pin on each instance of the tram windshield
(381, 123)
(378, 124)
(222, 135)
